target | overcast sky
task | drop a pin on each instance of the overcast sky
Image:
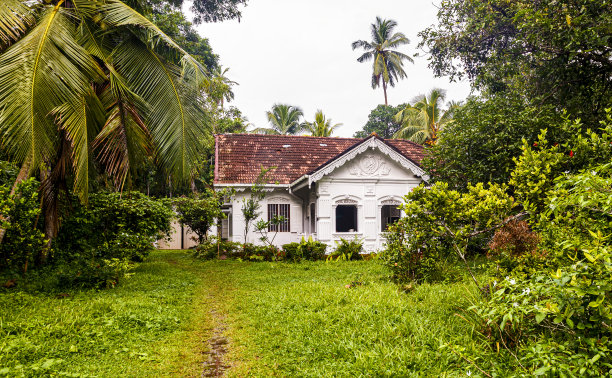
(299, 52)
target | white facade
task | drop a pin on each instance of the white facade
(349, 197)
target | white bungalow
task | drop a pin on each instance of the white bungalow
(327, 188)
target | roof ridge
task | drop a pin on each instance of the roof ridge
(287, 136)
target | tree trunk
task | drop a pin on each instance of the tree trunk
(385, 90)
(21, 176)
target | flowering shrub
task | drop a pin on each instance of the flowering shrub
(438, 227)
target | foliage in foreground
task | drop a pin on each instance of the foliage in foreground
(97, 243)
(549, 303)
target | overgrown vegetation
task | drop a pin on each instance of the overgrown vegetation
(546, 304)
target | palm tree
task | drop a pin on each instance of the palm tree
(284, 120)
(423, 121)
(387, 63)
(321, 127)
(93, 83)
(219, 87)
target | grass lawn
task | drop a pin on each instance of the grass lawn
(279, 319)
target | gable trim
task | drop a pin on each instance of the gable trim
(372, 142)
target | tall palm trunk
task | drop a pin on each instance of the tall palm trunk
(385, 90)
(21, 176)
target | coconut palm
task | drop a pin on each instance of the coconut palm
(284, 120)
(388, 63)
(219, 87)
(423, 121)
(321, 127)
(93, 83)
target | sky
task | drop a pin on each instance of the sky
(298, 52)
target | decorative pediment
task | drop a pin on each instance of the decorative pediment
(370, 164)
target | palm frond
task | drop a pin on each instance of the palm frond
(15, 19)
(44, 69)
(177, 124)
(118, 13)
(81, 123)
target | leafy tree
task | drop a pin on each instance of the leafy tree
(555, 52)
(485, 136)
(103, 112)
(212, 10)
(200, 213)
(321, 126)
(171, 20)
(423, 121)
(388, 63)
(284, 120)
(382, 122)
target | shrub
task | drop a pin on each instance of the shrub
(212, 247)
(558, 316)
(292, 251)
(347, 250)
(199, 213)
(312, 250)
(438, 228)
(116, 226)
(96, 243)
(23, 241)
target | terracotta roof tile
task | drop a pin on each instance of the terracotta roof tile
(240, 157)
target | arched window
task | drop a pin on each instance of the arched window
(389, 214)
(346, 218)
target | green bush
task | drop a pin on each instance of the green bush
(347, 250)
(23, 241)
(211, 248)
(440, 228)
(306, 249)
(96, 243)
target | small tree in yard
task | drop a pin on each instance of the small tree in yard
(262, 227)
(200, 213)
(251, 205)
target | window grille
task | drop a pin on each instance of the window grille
(281, 210)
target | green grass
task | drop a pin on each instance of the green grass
(147, 326)
(301, 320)
(280, 319)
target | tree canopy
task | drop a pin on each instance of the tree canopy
(321, 126)
(284, 120)
(382, 122)
(423, 121)
(550, 51)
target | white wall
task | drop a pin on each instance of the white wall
(276, 196)
(369, 181)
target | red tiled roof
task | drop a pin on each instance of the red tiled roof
(240, 157)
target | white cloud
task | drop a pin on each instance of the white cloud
(299, 52)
